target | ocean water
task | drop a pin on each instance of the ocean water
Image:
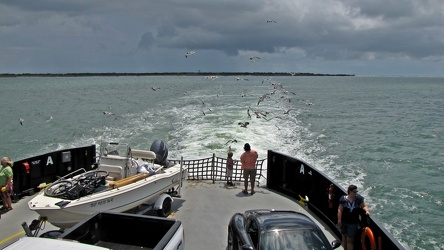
(383, 134)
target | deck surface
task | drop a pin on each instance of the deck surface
(204, 208)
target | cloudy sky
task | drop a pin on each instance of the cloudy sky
(362, 37)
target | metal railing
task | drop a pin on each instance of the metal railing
(215, 169)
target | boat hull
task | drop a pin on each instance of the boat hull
(118, 199)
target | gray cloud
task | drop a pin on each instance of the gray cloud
(147, 41)
(306, 33)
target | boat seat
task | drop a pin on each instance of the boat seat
(145, 154)
(113, 160)
(114, 171)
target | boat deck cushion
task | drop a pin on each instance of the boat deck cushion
(128, 180)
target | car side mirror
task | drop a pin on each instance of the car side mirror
(335, 244)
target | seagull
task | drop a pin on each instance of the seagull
(155, 88)
(266, 79)
(201, 101)
(271, 21)
(254, 58)
(107, 113)
(189, 53)
(243, 124)
(231, 141)
(277, 117)
(262, 98)
(211, 77)
(276, 85)
(239, 78)
(288, 92)
(21, 121)
(287, 112)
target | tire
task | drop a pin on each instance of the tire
(166, 208)
(58, 189)
(54, 234)
(230, 245)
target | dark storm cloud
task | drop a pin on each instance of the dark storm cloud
(51, 5)
(147, 41)
(119, 34)
(354, 31)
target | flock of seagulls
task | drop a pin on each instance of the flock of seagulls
(258, 114)
(278, 91)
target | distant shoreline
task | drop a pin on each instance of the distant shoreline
(171, 74)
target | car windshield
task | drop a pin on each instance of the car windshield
(294, 239)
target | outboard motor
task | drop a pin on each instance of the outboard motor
(159, 147)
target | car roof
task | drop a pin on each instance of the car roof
(280, 219)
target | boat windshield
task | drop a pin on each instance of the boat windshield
(114, 148)
(304, 239)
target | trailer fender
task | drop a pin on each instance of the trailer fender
(159, 201)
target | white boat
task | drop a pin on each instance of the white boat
(124, 178)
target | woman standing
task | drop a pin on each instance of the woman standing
(6, 183)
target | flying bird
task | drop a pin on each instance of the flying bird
(262, 98)
(254, 58)
(155, 88)
(189, 53)
(266, 79)
(231, 141)
(240, 78)
(21, 121)
(243, 124)
(271, 21)
(277, 117)
(107, 113)
(211, 77)
(287, 112)
(201, 101)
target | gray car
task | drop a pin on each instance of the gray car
(276, 229)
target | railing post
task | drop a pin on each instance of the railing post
(181, 177)
(212, 167)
